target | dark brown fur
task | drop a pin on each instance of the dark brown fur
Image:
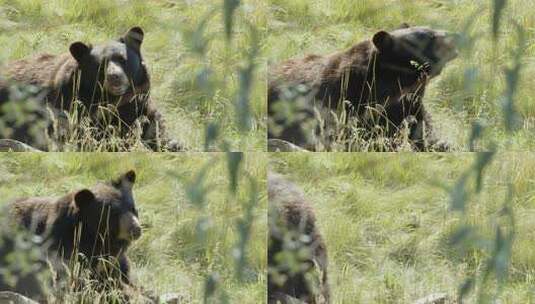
(86, 222)
(291, 215)
(368, 77)
(64, 79)
(58, 75)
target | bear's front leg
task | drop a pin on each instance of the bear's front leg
(154, 134)
(131, 291)
(124, 267)
(422, 135)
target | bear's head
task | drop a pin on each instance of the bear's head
(409, 48)
(108, 212)
(116, 67)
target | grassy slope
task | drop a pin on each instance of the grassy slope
(386, 222)
(168, 257)
(32, 26)
(299, 27)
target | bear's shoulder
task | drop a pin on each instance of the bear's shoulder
(42, 69)
(49, 207)
(35, 213)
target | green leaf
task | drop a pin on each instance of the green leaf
(196, 190)
(482, 161)
(498, 7)
(477, 132)
(234, 160)
(211, 135)
(461, 234)
(210, 286)
(459, 195)
(246, 80)
(466, 287)
(195, 39)
(229, 8)
(502, 255)
(244, 229)
(512, 77)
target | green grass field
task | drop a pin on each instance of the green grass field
(471, 87)
(169, 257)
(191, 90)
(388, 227)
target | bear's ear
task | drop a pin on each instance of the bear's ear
(83, 198)
(404, 25)
(383, 41)
(134, 37)
(126, 180)
(130, 176)
(79, 51)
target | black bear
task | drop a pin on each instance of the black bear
(96, 225)
(297, 255)
(110, 81)
(381, 82)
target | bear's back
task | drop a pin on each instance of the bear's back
(40, 70)
(319, 71)
(37, 213)
(290, 206)
(291, 213)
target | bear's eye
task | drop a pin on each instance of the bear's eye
(119, 59)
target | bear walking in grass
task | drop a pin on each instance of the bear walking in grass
(109, 83)
(93, 226)
(381, 82)
(297, 255)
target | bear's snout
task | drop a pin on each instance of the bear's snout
(116, 81)
(447, 45)
(135, 232)
(114, 78)
(129, 227)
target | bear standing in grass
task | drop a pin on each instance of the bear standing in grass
(110, 81)
(97, 223)
(380, 81)
(297, 256)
